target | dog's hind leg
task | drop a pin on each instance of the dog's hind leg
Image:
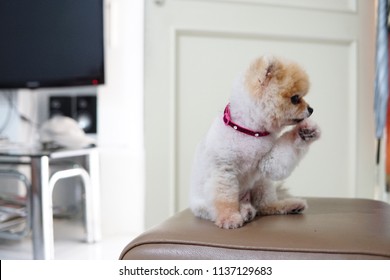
(269, 200)
(285, 206)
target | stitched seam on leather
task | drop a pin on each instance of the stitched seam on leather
(326, 251)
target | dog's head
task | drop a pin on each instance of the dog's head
(278, 86)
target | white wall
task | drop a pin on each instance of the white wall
(120, 106)
(120, 118)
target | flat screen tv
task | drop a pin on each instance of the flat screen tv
(51, 43)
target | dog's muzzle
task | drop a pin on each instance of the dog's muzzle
(310, 111)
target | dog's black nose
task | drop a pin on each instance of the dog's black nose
(310, 109)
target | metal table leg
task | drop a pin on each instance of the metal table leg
(22, 178)
(93, 199)
(42, 209)
(88, 191)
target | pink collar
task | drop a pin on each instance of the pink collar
(228, 121)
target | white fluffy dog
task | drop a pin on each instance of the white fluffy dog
(243, 154)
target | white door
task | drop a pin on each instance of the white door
(193, 51)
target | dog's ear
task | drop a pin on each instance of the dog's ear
(268, 75)
(259, 74)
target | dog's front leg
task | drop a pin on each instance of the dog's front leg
(226, 203)
(288, 151)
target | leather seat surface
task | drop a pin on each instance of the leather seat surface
(331, 228)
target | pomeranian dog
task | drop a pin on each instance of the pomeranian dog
(238, 164)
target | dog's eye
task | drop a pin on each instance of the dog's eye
(296, 99)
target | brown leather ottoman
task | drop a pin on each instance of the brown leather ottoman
(332, 228)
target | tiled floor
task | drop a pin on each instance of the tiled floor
(68, 245)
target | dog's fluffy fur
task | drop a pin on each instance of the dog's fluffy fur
(234, 175)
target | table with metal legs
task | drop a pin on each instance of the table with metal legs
(42, 184)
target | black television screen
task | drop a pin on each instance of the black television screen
(51, 43)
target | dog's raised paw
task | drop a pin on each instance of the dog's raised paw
(308, 131)
(307, 134)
